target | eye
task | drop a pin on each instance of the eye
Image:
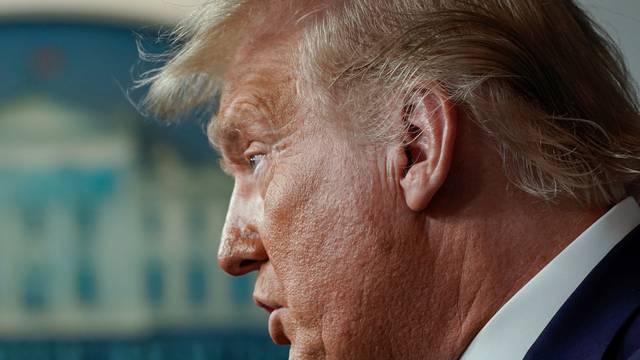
(254, 160)
(255, 154)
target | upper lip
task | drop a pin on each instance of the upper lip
(267, 304)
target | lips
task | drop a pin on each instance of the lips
(267, 308)
(276, 327)
(276, 314)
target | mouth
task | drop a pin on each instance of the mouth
(267, 308)
(276, 327)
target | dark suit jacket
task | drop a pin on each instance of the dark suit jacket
(601, 319)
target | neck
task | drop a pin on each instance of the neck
(516, 244)
(486, 239)
(496, 243)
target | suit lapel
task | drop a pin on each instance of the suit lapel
(588, 321)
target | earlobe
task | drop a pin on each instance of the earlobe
(430, 121)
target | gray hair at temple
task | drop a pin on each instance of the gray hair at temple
(539, 77)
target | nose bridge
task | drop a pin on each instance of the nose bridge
(241, 249)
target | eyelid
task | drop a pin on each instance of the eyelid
(255, 148)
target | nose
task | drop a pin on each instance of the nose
(241, 251)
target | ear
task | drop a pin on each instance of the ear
(430, 121)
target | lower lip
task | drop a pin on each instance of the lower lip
(276, 328)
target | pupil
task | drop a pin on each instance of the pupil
(254, 160)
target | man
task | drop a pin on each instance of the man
(423, 179)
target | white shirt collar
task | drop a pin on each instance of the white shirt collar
(515, 327)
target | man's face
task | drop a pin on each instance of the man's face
(319, 215)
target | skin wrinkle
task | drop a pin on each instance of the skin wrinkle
(361, 275)
(471, 324)
(242, 122)
(476, 289)
(355, 27)
(460, 312)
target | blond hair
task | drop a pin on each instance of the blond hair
(539, 77)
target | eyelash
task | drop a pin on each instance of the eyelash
(254, 160)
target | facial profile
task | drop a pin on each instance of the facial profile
(399, 178)
(311, 212)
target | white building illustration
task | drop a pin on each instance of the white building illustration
(93, 243)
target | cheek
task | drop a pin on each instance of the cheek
(265, 179)
(345, 250)
(295, 214)
(327, 234)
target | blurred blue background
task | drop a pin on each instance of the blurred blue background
(109, 221)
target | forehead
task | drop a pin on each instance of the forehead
(259, 86)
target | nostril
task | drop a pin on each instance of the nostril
(247, 263)
(237, 267)
(241, 252)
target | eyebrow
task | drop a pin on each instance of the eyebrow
(217, 130)
(221, 130)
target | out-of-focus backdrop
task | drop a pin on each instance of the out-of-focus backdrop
(109, 221)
